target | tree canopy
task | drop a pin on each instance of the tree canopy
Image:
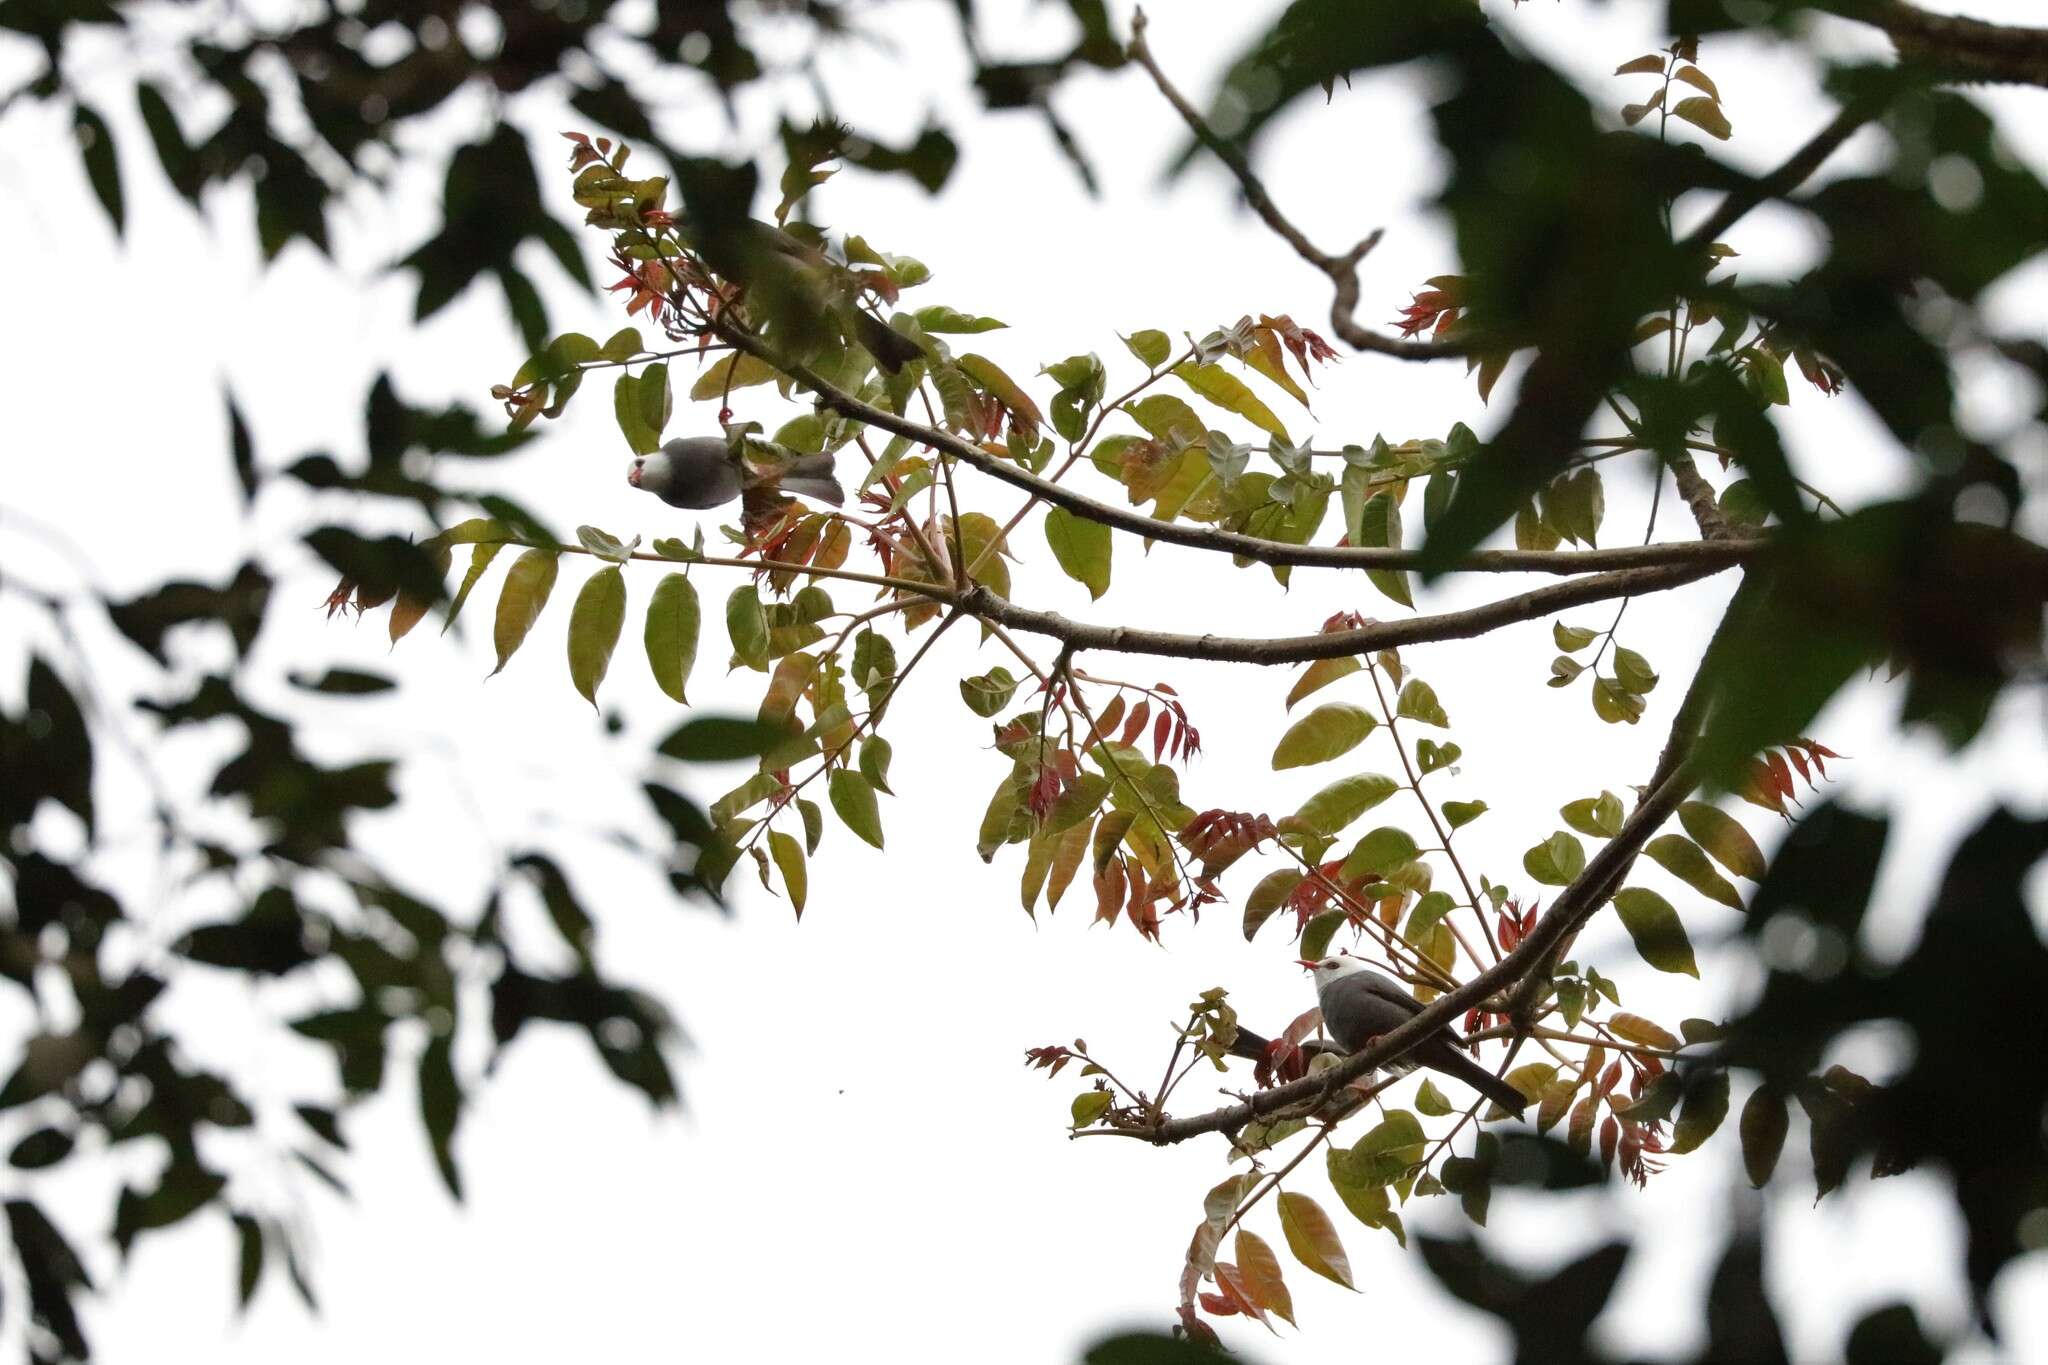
(1599, 305)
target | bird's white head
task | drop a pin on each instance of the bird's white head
(1334, 968)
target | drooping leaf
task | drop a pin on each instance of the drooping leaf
(1344, 800)
(1321, 674)
(854, 799)
(1329, 731)
(1658, 933)
(1706, 1104)
(789, 860)
(1260, 1269)
(1763, 1125)
(1082, 548)
(527, 585)
(1312, 1237)
(747, 625)
(594, 625)
(1723, 836)
(1683, 859)
(1418, 702)
(674, 619)
(1230, 393)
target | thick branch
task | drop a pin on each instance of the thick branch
(1290, 649)
(1953, 47)
(1688, 553)
(1698, 495)
(1782, 181)
(1564, 915)
(1342, 270)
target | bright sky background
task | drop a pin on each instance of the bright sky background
(862, 1163)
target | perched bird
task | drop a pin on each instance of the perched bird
(1359, 1005)
(702, 472)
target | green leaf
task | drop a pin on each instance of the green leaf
(1329, 731)
(1150, 346)
(1762, 1126)
(1078, 802)
(1572, 639)
(1267, 897)
(1430, 755)
(1615, 704)
(1006, 391)
(1683, 859)
(480, 559)
(1313, 1238)
(1706, 1104)
(1633, 671)
(1344, 800)
(1459, 813)
(625, 343)
(718, 739)
(1658, 933)
(674, 619)
(1555, 861)
(594, 624)
(789, 860)
(874, 664)
(641, 403)
(747, 624)
(1430, 909)
(1380, 852)
(527, 585)
(1723, 836)
(1089, 1106)
(1317, 933)
(1418, 702)
(1321, 674)
(1232, 394)
(1430, 1101)
(1379, 527)
(875, 753)
(854, 799)
(939, 318)
(1599, 816)
(1082, 548)
(989, 693)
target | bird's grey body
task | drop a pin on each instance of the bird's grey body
(1359, 1005)
(700, 472)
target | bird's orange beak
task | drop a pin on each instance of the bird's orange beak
(633, 474)
(1305, 963)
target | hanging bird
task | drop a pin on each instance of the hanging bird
(702, 472)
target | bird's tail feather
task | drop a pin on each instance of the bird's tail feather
(811, 477)
(1452, 1062)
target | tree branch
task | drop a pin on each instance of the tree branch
(1782, 181)
(1953, 47)
(1342, 270)
(1564, 914)
(1290, 649)
(1718, 554)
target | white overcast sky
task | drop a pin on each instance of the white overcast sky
(862, 1165)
